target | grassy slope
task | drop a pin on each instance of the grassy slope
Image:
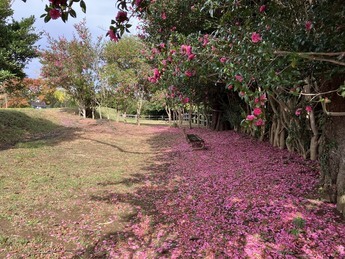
(51, 183)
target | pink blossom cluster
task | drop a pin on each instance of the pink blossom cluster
(204, 40)
(260, 100)
(113, 36)
(254, 117)
(155, 77)
(190, 73)
(256, 37)
(121, 17)
(257, 114)
(56, 7)
(173, 92)
(308, 109)
(187, 50)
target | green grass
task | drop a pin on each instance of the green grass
(18, 124)
(59, 192)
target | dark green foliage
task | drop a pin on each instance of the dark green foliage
(17, 39)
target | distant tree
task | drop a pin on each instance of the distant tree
(26, 91)
(126, 71)
(71, 65)
(17, 39)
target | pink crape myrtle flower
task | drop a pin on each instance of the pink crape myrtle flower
(308, 108)
(185, 100)
(256, 37)
(55, 14)
(138, 2)
(250, 117)
(205, 40)
(308, 25)
(257, 111)
(262, 8)
(298, 112)
(152, 80)
(156, 73)
(113, 36)
(191, 56)
(239, 78)
(230, 87)
(189, 73)
(164, 16)
(259, 122)
(189, 50)
(186, 49)
(223, 59)
(121, 16)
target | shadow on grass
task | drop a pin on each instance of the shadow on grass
(20, 130)
(153, 187)
(116, 147)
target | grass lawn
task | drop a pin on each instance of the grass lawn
(58, 180)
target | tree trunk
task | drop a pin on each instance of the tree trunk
(139, 107)
(117, 115)
(190, 111)
(332, 160)
(341, 182)
(168, 112)
(315, 137)
(332, 148)
(276, 134)
(100, 111)
(6, 101)
(282, 137)
(124, 117)
(272, 131)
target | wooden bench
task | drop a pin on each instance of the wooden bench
(195, 141)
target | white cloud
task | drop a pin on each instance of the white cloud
(98, 16)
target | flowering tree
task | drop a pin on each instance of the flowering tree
(283, 60)
(72, 65)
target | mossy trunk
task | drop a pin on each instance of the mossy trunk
(332, 160)
(332, 152)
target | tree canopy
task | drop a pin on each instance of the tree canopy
(16, 43)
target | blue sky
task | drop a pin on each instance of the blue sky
(98, 17)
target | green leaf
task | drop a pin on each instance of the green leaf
(83, 6)
(64, 17)
(72, 13)
(47, 18)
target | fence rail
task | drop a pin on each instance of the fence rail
(195, 118)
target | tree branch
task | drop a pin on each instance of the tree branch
(313, 56)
